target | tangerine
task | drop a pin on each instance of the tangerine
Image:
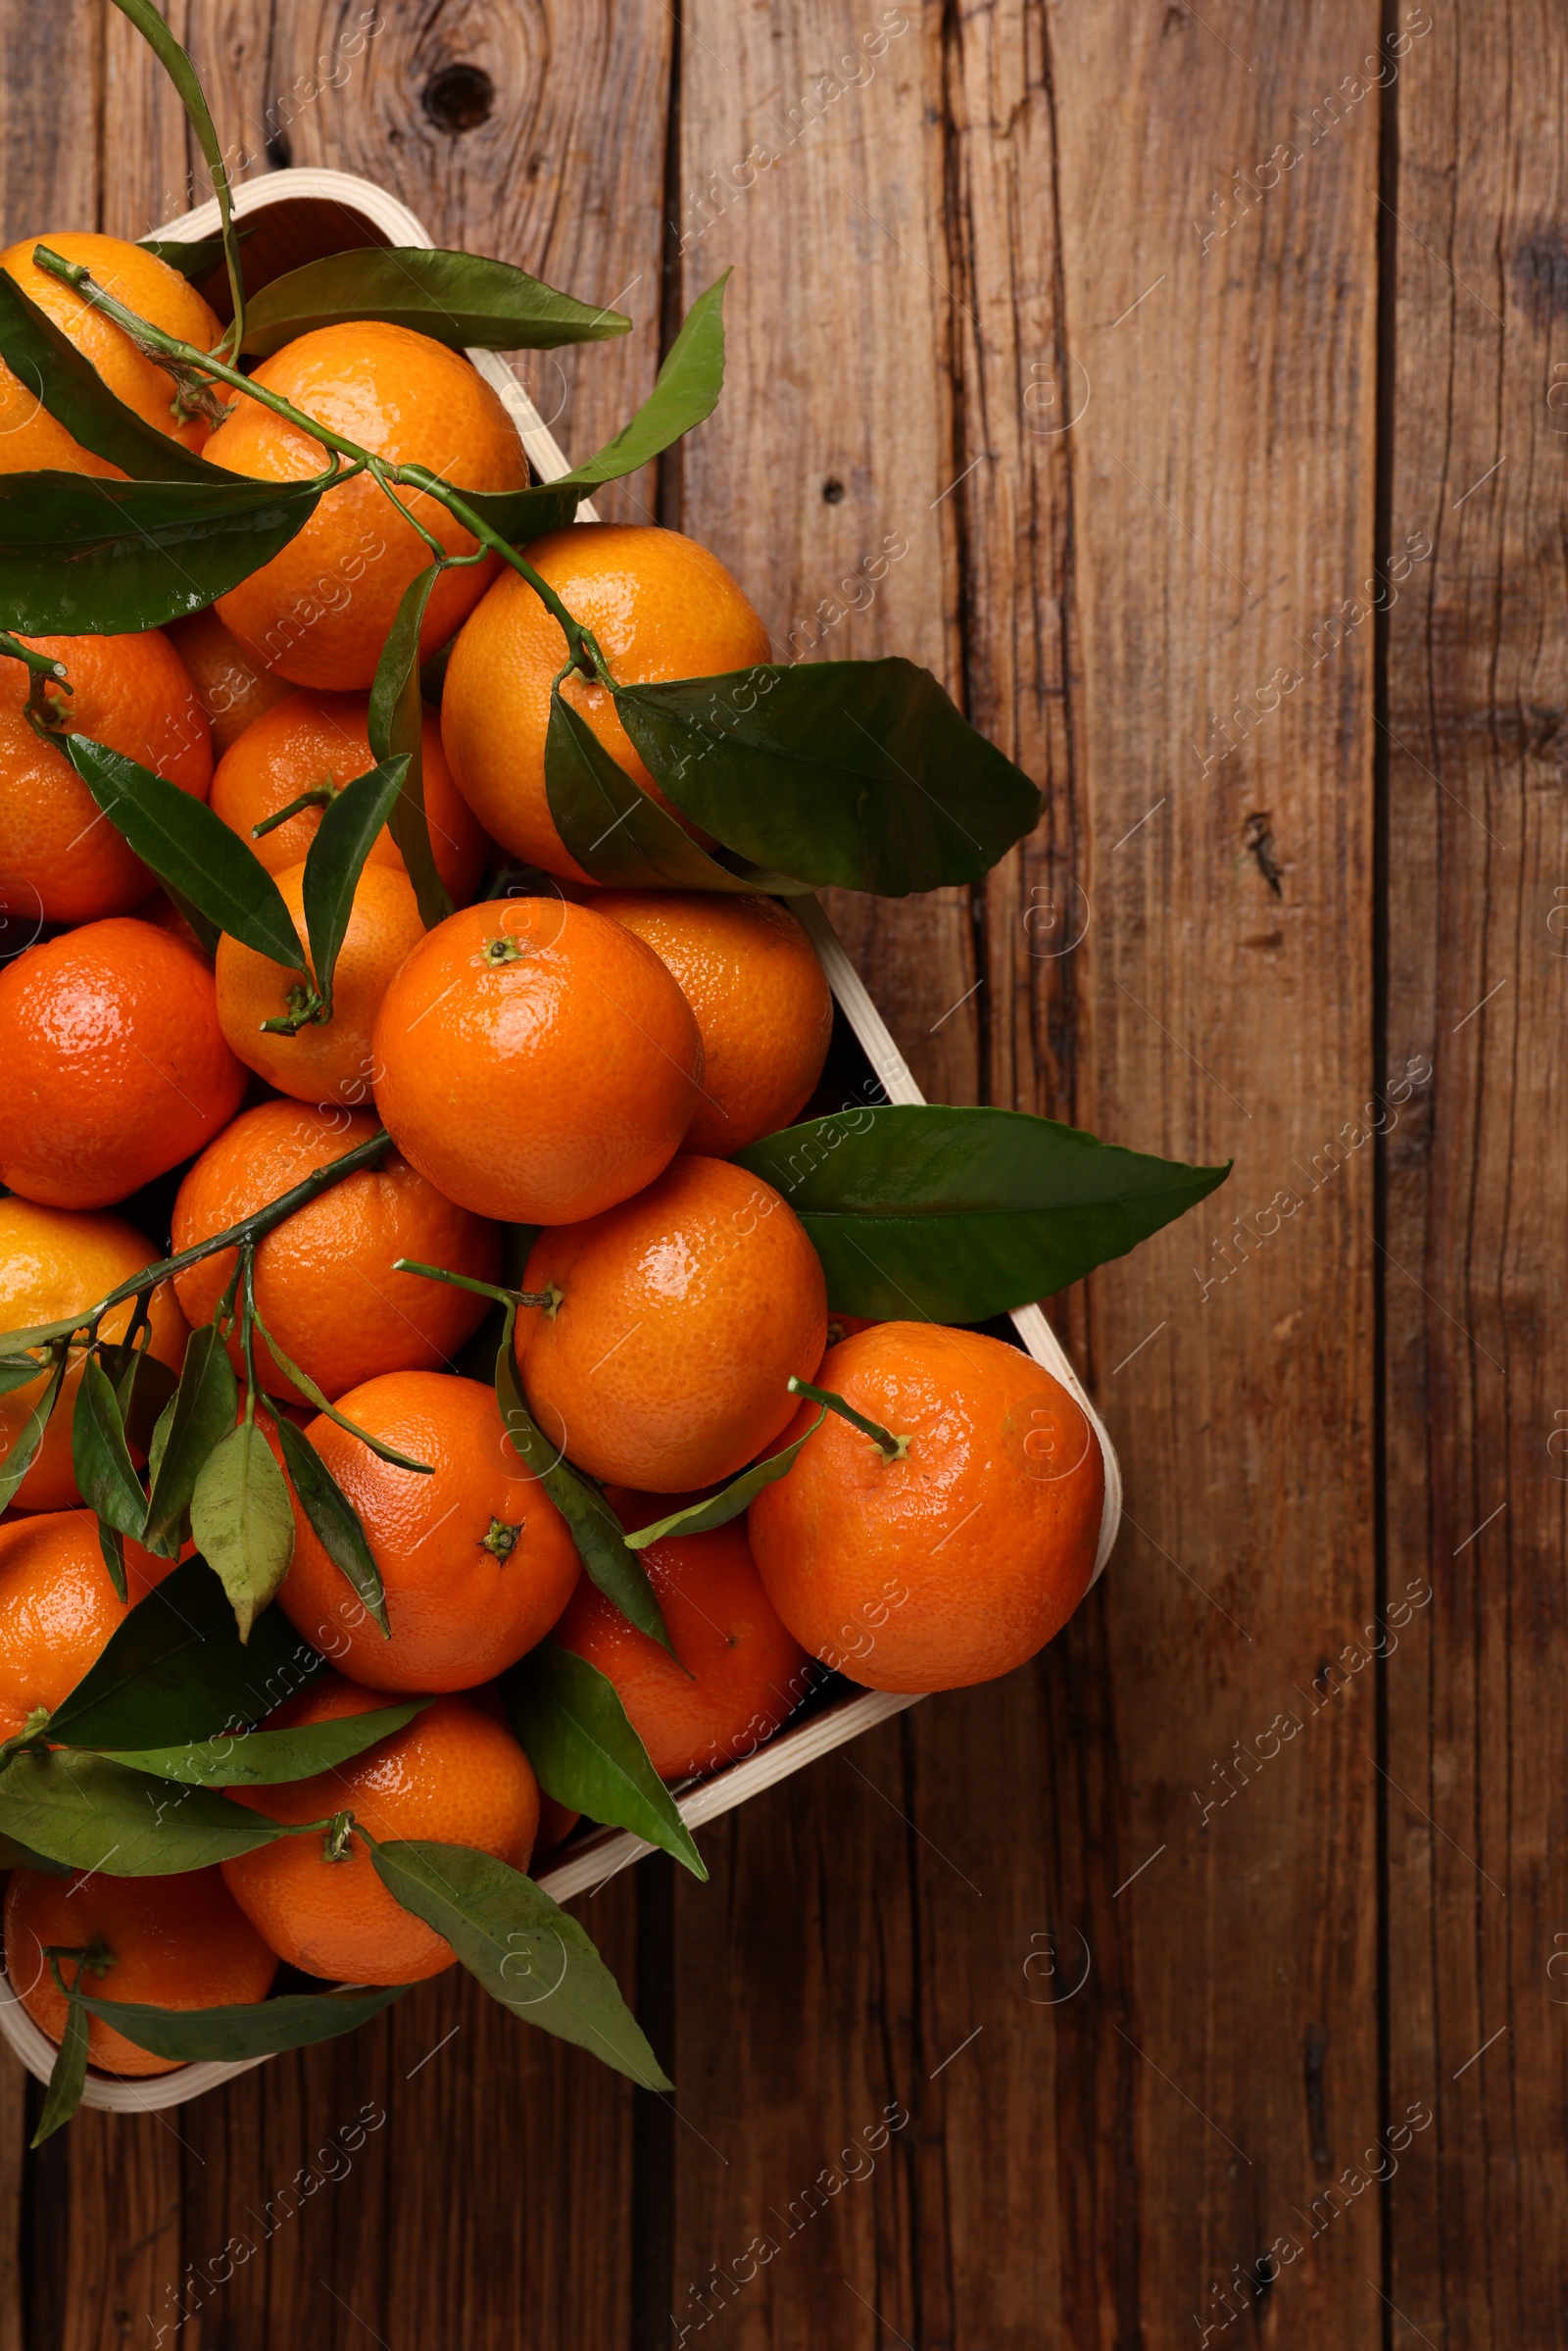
(231, 688)
(659, 607)
(561, 1073)
(324, 1279)
(320, 742)
(163, 1942)
(115, 1066)
(60, 857)
(453, 1775)
(737, 1671)
(31, 438)
(679, 1318)
(319, 612)
(58, 1609)
(762, 1000)
(475, 1559)
(54, 1262)
(957, 1561)
(324, 1061)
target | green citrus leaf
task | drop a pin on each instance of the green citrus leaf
(67, 2076)
(260, 2028)
(244, 1758)
(618, 833)
(84, 557)
(187, 846)
(196, 260)
(182, 74)
(729, 1502)
(918, 1211)
(523, 515)
(591, 1523)
(460, 299)
(101, 1457)
(143, 1385)
(17, 1371)
(525, 1951)
(96, 1815)
(397, 731)
(313, 1395)
(48, 362)
(22, 1451)
(243, 1522)
(586, 1753)
(199, 1418)
(176, 1669)
(344, 838)
(863, 774)
(112, 1544)
(335, 1518)
(685, 392)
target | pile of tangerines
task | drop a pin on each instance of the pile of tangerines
(547, 1383)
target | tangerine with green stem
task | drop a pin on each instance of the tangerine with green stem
(474, 1558)
(453, 1775)
(326, 1279)
(162, 1942)
(59, 857)
(319, 612)
(943, 1532)
(300, 754)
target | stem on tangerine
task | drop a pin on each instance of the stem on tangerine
(891, 1447)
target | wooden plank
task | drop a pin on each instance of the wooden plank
(1477, 1360)
(1223, 2056)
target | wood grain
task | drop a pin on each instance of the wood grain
(1223, 503)
(1074, 353)
(1477, 1364)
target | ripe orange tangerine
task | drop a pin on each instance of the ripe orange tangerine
(320, 742)
(115, 1068)
(535, 1061)
(323, 1062)
(762, 1000)
(29, 437)
(60, 857)
(740, 1672)
(231, 688)
(318, 613)
(659, 605)
(54, 1262)
(57, 1607)
(957, 1561)
(475, 1559)
(159, 1942)
(324, 1279)
(682, 1314)
(453, 1775)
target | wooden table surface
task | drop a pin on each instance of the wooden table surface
(1196, 376)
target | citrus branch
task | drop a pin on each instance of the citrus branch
(586, 656)
(243, 1234)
